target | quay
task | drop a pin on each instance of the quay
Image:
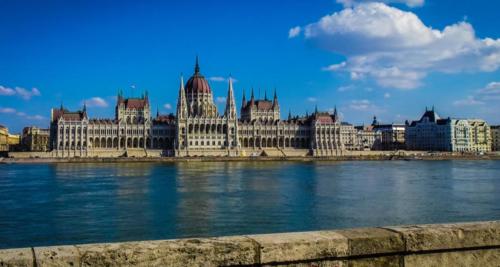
(456, 244)
(47, 157)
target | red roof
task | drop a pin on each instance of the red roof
(262, 105)
(197, 84)
(323, 118)
(134, 103)
(68, 115)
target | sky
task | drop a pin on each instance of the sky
(388, 58)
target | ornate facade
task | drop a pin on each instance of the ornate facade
(197, 129)
(432, 133)
(35, 139)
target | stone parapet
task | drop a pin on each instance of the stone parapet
(457, 244)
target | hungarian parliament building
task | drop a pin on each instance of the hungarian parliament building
(197, 128)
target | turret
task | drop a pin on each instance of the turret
(181, 101)
(252, 99)
(244, 100)
(335, 115)
(275, 100)
(230, 104)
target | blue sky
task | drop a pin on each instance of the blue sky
(368, 58)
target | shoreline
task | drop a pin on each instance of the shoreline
(380, 157)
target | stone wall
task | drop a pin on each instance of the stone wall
(461, 244)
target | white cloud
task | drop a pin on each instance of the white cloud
(19, 91)
(387, 95)
(469, 101)
(36, 117)
(20, 114)
(220, 99)
(410, 3)
(96, 102)
(396, 49)
(345, 88)
(221, 79)
(167, 106)
(490, 93)
(293, 32)
(312, 99)
(6, 91)
(363, 104)
(7, 110)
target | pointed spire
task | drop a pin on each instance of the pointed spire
(197, 66)
(307, 114)
(84, 106)
(275, 100)
(316, 109)
(244, 100)
(62, 108)
(157, 112)
(335, 114)
(289, 114)
(181, 101)
(375, 122)
(252, 99)
(230, 104)
(265, 94)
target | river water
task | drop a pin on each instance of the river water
(52, 204)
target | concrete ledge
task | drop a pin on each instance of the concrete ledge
(459, 244)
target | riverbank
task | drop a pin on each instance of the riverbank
(457, 244)
(379, 155)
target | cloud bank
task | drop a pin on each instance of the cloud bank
(395, 48)
(490, 94)
(96, 102)
(19, 91)
(410, 3)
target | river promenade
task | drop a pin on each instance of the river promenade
(24, 157)
(458, 244)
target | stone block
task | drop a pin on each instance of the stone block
(181, 252)
(325, 263)
(483, 258)
(385, 261)
(57, 256)
(372, 241)
(17, 257)
(449, 236)
(291, 247)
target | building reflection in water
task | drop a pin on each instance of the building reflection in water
(92, 200)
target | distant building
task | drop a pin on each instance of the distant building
(349, 136)
(432, 133)
(368, 138)
(35, 139)
(4, 139)
(393, 135)
(480, 135)
(495, 138)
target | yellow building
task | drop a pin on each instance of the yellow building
(35, 139)
(4, 136)
(480, 136)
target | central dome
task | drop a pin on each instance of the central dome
(197, 83)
